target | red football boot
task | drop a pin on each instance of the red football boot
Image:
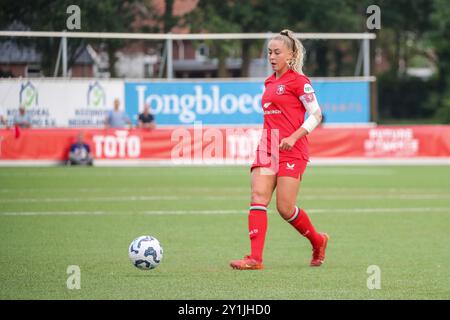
(318, 256)
(248, 263)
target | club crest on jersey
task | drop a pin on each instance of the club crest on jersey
(280, 89)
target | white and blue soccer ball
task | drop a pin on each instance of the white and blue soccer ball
(145, 252)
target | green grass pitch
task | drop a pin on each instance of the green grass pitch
(396, 218)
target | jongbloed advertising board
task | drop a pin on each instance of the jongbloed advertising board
(239, 102)
(85, 103)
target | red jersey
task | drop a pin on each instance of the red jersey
(284, 111)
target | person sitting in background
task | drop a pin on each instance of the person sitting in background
(146, 119)
(3, 121)
(80, 152)
(117, 118)
(22, 119)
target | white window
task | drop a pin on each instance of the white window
(202, 52)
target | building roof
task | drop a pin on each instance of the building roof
(11, 53)
(84, 56)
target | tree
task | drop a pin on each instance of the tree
(439, 36)
(212, 16)
(407, 21)
(98, 16)
(275, 15)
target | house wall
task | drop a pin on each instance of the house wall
(18, 70)
(82, 71)
(187, 47)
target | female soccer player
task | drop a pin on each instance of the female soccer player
(282, 154)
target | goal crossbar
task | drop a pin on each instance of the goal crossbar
(170, 37)
(189, 36)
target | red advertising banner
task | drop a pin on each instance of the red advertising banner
(225, 144)
(382, 142)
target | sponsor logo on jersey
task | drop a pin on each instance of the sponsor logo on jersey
(266, 105)
(280, 89)
(307, 88)
(272, 112)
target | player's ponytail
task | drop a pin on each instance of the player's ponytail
(295, 45)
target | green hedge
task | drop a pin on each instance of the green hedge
(405, 97)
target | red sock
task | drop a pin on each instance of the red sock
(257, 227)
(300, 221)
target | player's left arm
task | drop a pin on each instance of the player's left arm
(309, 100)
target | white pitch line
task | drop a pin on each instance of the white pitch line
(380, 210)
(378, 197)
(129, 190)
(224, 212)
(222, 198)
(226, 189)
(120, 199)
(53, 213)
(192, 212)
(353, 210)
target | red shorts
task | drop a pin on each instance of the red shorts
(281, 168)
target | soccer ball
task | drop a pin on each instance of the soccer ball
(145, 252)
